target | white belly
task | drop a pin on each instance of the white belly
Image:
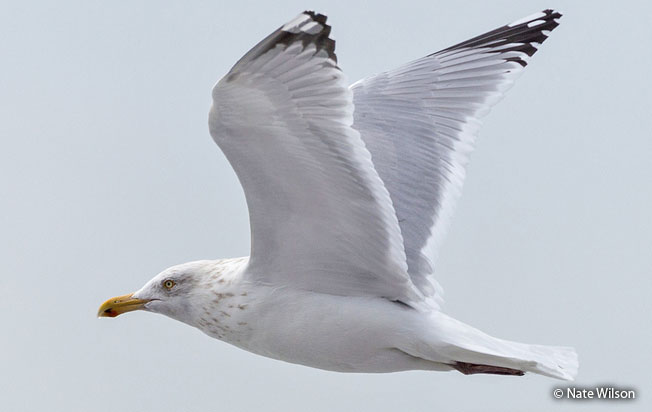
(345, 334)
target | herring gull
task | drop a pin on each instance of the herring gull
(349, 192)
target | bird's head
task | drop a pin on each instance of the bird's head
(173, 292)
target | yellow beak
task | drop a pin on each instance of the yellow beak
(119, 305)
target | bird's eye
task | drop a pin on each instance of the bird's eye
(168, 284)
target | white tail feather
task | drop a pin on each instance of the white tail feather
(458, 342)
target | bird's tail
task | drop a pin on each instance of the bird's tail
(470, 351)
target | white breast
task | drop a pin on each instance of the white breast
(342, 334)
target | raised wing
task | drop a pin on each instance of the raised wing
(420, 121)
(321, 218)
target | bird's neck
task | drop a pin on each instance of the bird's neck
(222, 304)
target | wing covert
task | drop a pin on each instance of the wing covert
(420, 121)
(321, 218)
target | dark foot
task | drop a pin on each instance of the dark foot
(472, 368)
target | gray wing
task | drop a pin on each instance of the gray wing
(420, 122)
(321, 218)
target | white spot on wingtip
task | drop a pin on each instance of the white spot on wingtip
(311, 27)
(293, 26)
(534, 16)
(302, 23)
(535, 23)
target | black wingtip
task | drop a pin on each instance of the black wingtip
(307, 28)
(319, 38)
(520, 36)
(552, 12)
(319, 18)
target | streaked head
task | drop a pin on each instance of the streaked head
(173, 293)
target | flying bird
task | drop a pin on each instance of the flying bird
(349, 190)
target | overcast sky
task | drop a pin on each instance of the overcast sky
(108, 176)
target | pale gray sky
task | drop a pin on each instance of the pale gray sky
(108, 175)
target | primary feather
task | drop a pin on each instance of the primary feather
(346, 189)
(420, 122)
(321, 218)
